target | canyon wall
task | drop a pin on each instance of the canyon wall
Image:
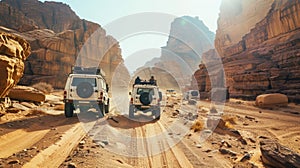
(56, 35)
(259, 45)
(189, 37)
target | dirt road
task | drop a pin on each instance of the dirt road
(45, 138)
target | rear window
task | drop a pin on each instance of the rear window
(76, 81)
(194, 93)
(147, 90)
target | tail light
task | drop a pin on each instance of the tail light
(100, 97)
(131, 100)
(65, 94)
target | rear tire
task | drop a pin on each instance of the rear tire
(106, 107)
(69, 110)
(157, 114)
(131, 111)
(101, 110)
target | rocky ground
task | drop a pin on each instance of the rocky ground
(38, 135)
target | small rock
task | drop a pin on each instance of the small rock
(174, 113)
(34, 147)
(101, 144)
(105, 142)
(72, 165)
(226, 151)
(238, 102)
(263, 137)
(81, 142)
(252, 140)
(247, 156)
(250, 118)
(242, 140)
(207, 151)
(225, 143)
(14, 162)
(198, 145)
(120, 161)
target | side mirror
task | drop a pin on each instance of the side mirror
(130, 93)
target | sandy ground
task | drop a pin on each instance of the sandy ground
(116, 141)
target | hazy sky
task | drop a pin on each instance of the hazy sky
(105, 12)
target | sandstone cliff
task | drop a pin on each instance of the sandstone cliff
(259, 43)
(57, 36)
(13, 52)
(46, 15)
(188, 39)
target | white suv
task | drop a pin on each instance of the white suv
(145, 97)
(86, 88)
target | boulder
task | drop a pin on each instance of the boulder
(276, 155)
(270, 100)
(26, 93)
(13, 52)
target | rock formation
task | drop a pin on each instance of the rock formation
(259, 46)
(25, 93)
(56, 39)
(45, 15)
(188, 39)
(276, 155)
(13, 52)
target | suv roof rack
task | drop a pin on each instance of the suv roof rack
(89, 70)
(146, 83)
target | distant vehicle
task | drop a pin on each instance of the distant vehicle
(85, 88)
(192, 95)
(171, 92)
(145, 97)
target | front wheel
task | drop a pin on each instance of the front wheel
(69, 110)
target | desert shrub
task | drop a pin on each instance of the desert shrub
(43, 87)
(35, 112)
(197, 126)
(229, 120)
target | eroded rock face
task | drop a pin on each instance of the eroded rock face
(188, 39)
(46, 15)
(260, 50)
(58, 40)
(13, 52)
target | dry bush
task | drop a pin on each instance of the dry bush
(43, 87)
(229, 120)
(35, 112)
(197, 126)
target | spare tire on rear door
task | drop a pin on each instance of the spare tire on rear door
(84, 90)
(146, 98)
